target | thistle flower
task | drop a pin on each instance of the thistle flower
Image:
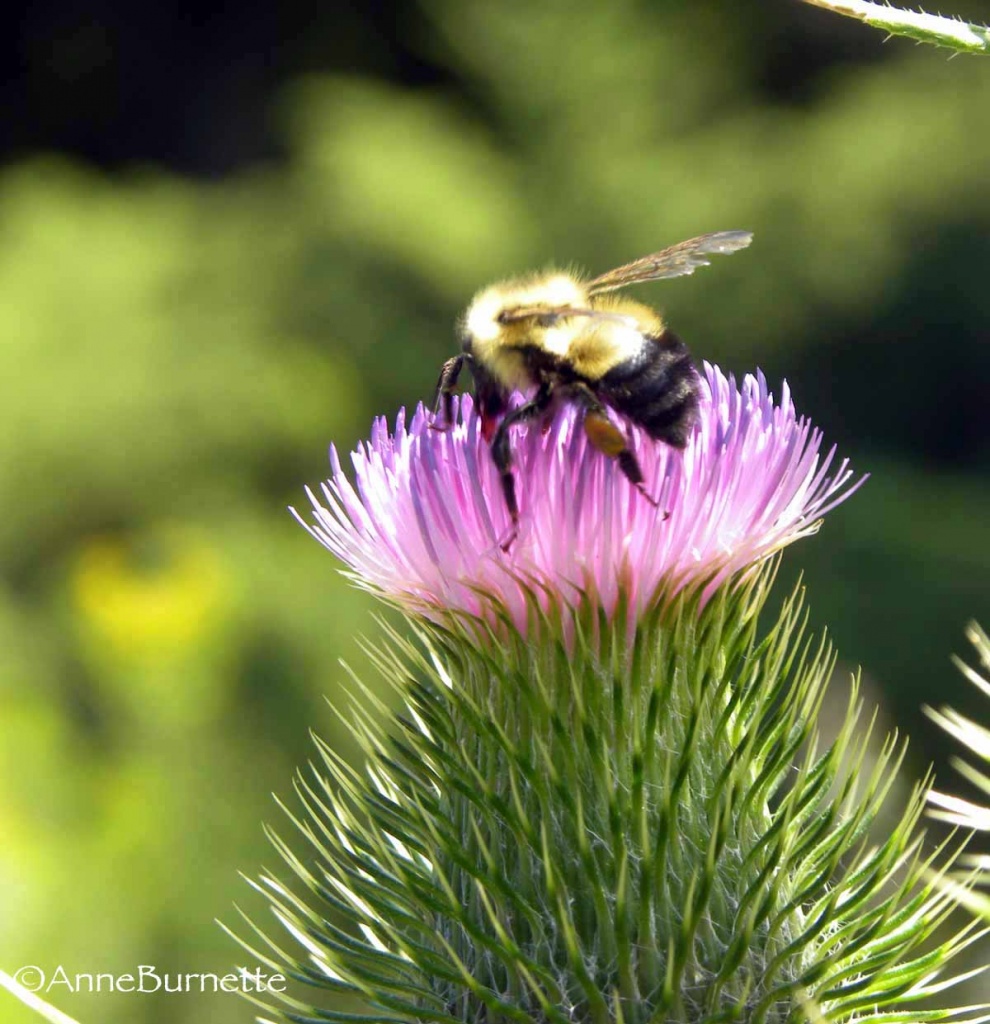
(612, 807)
(424, 523)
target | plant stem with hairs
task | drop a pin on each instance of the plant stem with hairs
(954, 33)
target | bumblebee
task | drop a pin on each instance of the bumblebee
(556, 337)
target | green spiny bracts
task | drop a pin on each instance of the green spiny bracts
(970, 886)
(571, 827)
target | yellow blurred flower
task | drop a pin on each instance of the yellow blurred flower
(154, 597)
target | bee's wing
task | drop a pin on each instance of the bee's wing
(677, 260)
(557, 312)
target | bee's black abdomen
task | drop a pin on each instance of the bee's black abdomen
(659, 391)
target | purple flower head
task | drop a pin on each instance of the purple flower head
(424, 523)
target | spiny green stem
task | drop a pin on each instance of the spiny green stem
(954, 33)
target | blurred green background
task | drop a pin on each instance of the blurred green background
(178, 349)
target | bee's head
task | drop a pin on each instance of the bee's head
(518, 313)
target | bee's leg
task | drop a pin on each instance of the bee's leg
(449, 373)
(604, 435)
(502, 452)
(490, 402)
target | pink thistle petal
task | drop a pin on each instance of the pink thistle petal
(423, 522)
